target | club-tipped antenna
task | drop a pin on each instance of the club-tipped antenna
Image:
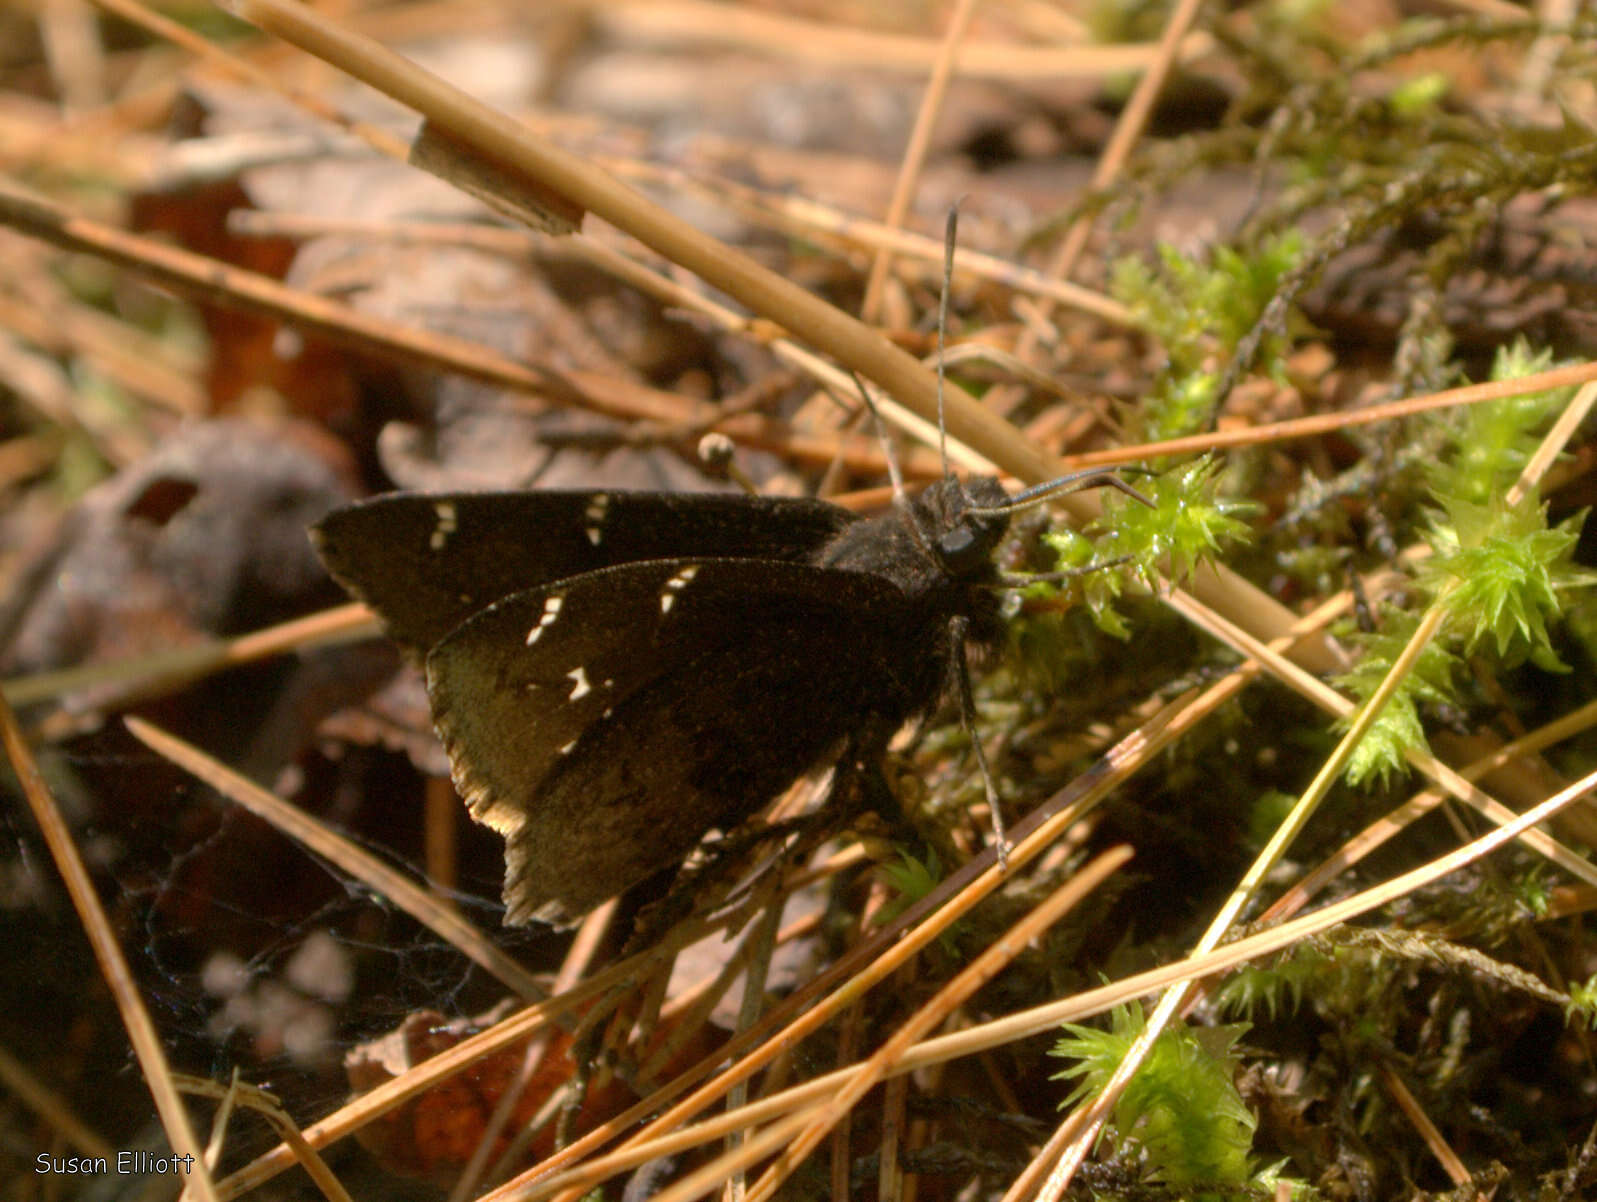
(950, 231)
(1039, 494)
(894, 471)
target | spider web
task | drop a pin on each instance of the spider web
(252, 955)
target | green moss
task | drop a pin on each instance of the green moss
(1199, 311)
(1499, 571)
(1181, 1113)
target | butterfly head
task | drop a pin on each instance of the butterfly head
(967, 522)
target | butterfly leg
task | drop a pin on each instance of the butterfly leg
(1022, 579)
(959, 668)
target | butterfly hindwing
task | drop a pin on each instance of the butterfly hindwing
(427, 563)
(576, 714)
(614, 674)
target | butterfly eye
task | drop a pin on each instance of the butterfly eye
(961, 551)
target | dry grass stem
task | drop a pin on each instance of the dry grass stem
(113, 966)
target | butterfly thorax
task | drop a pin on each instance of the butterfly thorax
(934, 540)
(940, 555)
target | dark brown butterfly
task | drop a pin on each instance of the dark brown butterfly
(615, 673)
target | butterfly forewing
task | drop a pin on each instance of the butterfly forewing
(427, 563)
(582, 711)
(616, 673)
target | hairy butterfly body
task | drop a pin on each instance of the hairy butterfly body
(615, 673)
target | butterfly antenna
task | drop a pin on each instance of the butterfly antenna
(1039, 494)
(894, 472)
(950, 230)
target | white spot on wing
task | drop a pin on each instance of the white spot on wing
(593, 516)
(566, 750)
(675, 585)
(444, 511)
(579, 683)
(551, 611)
